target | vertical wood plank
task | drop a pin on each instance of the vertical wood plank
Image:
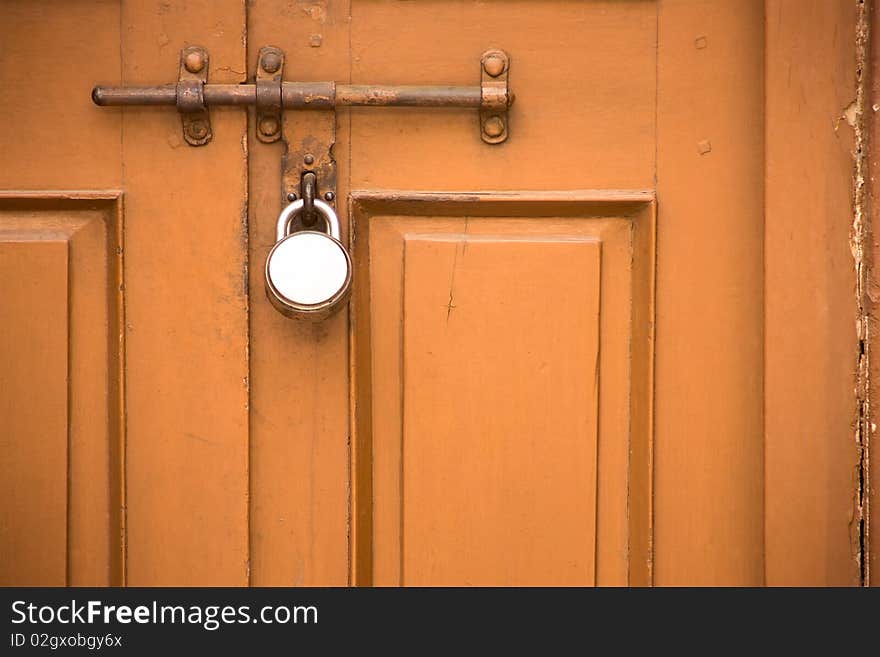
(186, 309)
(812, 341)
(709, 443)
(299, 370)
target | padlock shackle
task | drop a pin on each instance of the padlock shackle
(287, 215)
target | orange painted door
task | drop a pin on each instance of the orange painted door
(615, 349)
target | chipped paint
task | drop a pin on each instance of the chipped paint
(854, 115)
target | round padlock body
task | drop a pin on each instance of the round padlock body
(308, 273)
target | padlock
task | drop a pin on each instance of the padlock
(308, 272)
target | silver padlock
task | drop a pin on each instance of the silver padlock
(308, 273)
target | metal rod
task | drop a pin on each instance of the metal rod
(163, 95)
(303, 95)
(358, 95)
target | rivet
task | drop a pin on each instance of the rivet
(271, 62)
(309, 159)
(329, 196)
(493, 126)
(198, 129)
(268, 126)
(194, 61)
(291, 197)
(494, 65)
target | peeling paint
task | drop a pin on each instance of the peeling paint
(850, 114)
(854, 115)
(314, 9)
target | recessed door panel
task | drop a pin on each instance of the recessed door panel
(60, 376)
(497, 334)
(500, 390)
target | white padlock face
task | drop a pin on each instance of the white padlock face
(308, 268)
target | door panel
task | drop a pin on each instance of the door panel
(60, 367)
(503, 475)
(487, 330)
(37, 436)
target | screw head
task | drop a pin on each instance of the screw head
(329, 196)
(269, 126)
(194, 61)
(198, 129)
(493, 126)
(309, 159)
(271, 62)
(494, 65)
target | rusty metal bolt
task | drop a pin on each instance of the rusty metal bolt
(194, 61)
(329, 196)
(309, 159)
(198, 129)
(493, 126)
(269, 126)
(494, 65)
(271, 62)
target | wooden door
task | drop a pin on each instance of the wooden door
(616, 349)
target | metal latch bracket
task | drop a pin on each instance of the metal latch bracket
(190, 96)
(270, 68)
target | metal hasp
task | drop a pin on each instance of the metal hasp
(193, 95)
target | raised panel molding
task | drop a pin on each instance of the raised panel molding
(502, 358)
(61, 359)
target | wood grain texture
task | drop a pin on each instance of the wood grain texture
(709, 432)
(386, 445)
(583, 74)
(299, 419)
(51, 134)
(33, 363)
(186, 309)
(810, 323)
(498, 481)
